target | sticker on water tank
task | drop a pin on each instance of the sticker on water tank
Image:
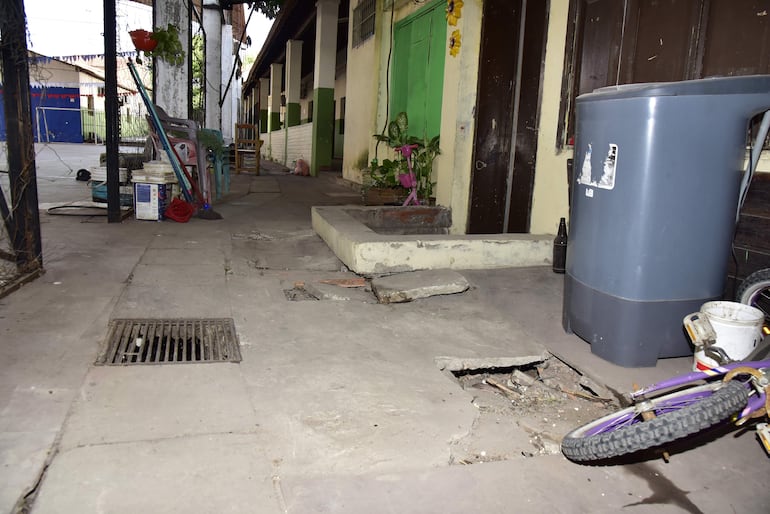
(585, 170)
(608, 171)
(609, 166)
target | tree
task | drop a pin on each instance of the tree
(198, 73)
(269, 8)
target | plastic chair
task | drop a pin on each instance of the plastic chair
(184, 131)
(220, 164)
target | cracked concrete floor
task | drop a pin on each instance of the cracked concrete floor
(337, 406)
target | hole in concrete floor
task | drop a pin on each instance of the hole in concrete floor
(526, 410)
(170, 341)
(299, 294)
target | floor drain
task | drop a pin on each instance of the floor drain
(169, 341)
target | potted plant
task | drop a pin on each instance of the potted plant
(393, 173)
(381, 185)
(161, 43)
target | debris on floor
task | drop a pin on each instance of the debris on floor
(405, 287)
(298, 293)
(546, 399)
(336, 289)
(345, 282)
(253, 236)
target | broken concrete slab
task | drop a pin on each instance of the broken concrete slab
(406, 287)
(535, 353)
(324, 291)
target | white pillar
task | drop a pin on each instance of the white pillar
(212, 26)
(264, 93)
(274, 101)
(293, 79)
(170, 86)
(325, 43)
(323, 83)
(228, 102)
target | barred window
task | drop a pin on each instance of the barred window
(363, 21)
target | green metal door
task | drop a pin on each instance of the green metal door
(417, 77)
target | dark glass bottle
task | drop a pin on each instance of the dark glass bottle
(560, 248)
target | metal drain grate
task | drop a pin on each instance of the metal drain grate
(170, 341)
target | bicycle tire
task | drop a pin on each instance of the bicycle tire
(755, 291)
(678, 415)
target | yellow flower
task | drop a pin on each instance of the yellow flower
(453, 11)
(454, 43)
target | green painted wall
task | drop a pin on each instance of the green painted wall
(292, 114)
(323, 127)
(275, 121)
(419, 51)
(262, 121)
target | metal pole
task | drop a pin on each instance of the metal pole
(112, 120)
(23, 217)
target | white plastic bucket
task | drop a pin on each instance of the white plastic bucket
(738, 328)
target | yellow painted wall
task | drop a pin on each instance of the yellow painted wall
(453, 167)
(361, 93)
(340, 91)
(367, 91)
(549, 199)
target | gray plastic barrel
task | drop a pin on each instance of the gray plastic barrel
(656, 181)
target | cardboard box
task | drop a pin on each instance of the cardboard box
(151, 200)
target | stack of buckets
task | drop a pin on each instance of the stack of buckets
(738, 328)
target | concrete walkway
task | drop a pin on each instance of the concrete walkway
(338, 405)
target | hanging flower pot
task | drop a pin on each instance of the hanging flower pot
(143, 40)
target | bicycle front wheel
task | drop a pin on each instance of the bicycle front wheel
(755, 291)
(672, 416)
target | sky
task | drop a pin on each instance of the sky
(75, 27)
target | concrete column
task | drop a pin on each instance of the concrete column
(293, 79)
(264, 92)
(171, 84)
(229, 102)
(274, 101)
(323, 84)
(212, 26)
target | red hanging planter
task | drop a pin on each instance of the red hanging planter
(142, 40)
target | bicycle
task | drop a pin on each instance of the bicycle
(755, 291)
(681, 406)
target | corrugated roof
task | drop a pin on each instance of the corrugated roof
(295, 21)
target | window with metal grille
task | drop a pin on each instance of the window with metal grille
(363, 21)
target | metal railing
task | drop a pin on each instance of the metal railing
(93, 125)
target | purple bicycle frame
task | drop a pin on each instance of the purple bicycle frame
(755, 401)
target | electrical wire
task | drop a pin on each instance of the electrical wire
(387, 80)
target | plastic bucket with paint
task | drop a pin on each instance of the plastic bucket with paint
(738, 328)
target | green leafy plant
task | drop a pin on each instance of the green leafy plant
(211, 140)
(169, 47)
(386, 174)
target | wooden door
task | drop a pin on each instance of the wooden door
(505, 141)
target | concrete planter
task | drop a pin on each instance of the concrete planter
(384, 195)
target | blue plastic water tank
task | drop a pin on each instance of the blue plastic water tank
(656, 180)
